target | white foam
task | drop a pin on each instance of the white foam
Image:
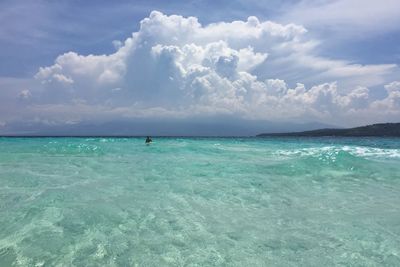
(333, 151)
(372, 152)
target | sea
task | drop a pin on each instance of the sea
(199, 202)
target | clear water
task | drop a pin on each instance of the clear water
(199, 202)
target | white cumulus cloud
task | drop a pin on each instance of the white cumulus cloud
(24, 94)
(177, 67)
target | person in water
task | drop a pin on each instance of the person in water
(148, 140)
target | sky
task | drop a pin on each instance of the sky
(212, 67)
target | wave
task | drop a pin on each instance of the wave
(333, 151)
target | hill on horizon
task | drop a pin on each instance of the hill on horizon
(377, 130)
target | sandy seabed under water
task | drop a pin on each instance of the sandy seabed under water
(199, 202)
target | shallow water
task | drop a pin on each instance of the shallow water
(199, 202)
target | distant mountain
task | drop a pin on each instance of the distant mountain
(378, 130)
(215, 126)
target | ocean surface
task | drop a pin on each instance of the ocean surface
(199, 202)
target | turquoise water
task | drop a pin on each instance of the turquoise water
(199, 202)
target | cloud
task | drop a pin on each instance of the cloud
(175, 67)
(391, 104)
(24, 94)
(354, 17)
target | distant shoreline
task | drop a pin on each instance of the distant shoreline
(373, 130)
